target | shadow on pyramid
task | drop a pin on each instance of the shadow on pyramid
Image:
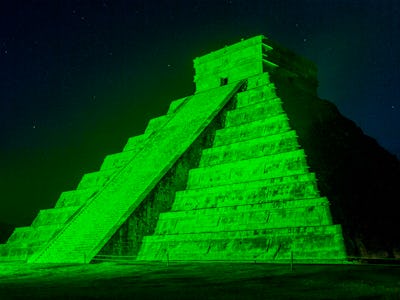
(252, 167)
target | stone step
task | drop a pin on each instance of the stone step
(54, 216)
(237, 251)
(248, 131)
(96, 179)
(117, 160)
(246, 217)
(257, 147)
(135, 142)
(245, 208)
(256, 94)
(242, 234)
(278, 165)
(75, 197)
(264, 244)
(275, 190)
(254, 112)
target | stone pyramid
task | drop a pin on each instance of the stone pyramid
(224, 175)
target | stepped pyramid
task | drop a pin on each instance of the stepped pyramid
(227, 174)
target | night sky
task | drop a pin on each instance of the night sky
(77, 78)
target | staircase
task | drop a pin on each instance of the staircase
(125, 182)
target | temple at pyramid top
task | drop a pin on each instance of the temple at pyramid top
(246, 59)
(252, 167)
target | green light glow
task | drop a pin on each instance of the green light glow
(250, 197)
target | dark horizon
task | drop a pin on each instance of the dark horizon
(78, 78)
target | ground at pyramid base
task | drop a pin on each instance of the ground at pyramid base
(253, 166)
(198, 280)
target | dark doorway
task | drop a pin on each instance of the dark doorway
(224, 81)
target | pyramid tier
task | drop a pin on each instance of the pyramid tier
(248, 131)
(285, 58)
(254, 112)
(256, 94)
(75, 197)
(274, 244)
(308, 212)
(135, 142)
(176, 104)
(117, 160)
(257, 147)
(260, 191)
(156, 123)
(26, 235)
(21, 250)
(54, 216)
(278, 165)
(18, 253)
(96, 179)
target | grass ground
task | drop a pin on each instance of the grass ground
(203, 280)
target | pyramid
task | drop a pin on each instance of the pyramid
(236, 171)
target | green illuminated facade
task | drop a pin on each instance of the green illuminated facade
(223, 175)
